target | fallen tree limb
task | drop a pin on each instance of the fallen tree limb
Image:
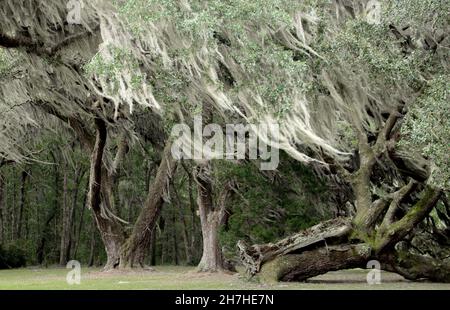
(254, 256)
(300, 267)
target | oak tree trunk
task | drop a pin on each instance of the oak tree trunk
(108, 226)
(137, 245)
(211, 217)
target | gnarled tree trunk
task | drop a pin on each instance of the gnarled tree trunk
(110, 230)
(376, 231)
(212, 215)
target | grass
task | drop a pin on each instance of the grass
(185, 278)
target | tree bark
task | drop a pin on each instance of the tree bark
(211, 218)
(311, 263)
(326, 233)
(137, 245)
(415, 267)
(110, 230)
(192, 208)
(331, 246)
(2, 201)
(372, 233)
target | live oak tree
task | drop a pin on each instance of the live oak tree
(379, 74)
(337, 81)
(352, 94)
(54, 83)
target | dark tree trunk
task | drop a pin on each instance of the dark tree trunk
(153, 248)
(40, 251)
(66, 213)
(2, 203)
(23, 181)
(80, 223)
(175, 238)
(193, 209)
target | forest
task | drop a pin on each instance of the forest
(347, 99)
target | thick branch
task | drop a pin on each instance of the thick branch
(134, 250)
(398, 197)
(31, 46)
(253, 257)
(223, 198)
(410, 164)
(415, 267)
(122, 149)
(95, 180)
(398, 230)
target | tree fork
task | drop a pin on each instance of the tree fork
(110, 230)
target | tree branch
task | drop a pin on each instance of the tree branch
(95, 180)
(38, 48)
(397, 198)
(398, 230)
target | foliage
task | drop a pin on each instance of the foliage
(12, 256)
(427, 128)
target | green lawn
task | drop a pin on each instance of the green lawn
(170, 277)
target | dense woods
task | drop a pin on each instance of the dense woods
(354, 96)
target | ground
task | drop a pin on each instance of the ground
(170, 277)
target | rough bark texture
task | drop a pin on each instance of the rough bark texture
(137, 245)
(329, 246)
(310, 263)
(382, 223)
(110, 230)
(212, 214)
(212, 259)
(253, 257)
(415, 267)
